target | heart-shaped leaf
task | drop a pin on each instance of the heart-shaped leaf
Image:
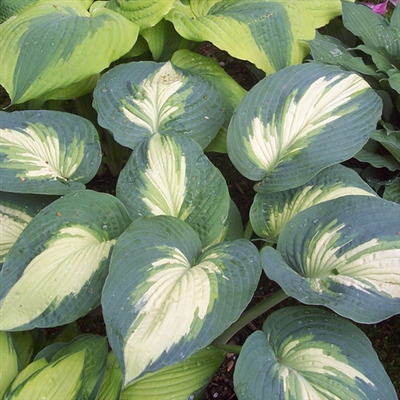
(164, 299)
(51, 46)
(47, 152)
(137, 100)
(168, 175)
(310, 353)
(298, 121)
(343, 254)
(55, 271)
(270, 212)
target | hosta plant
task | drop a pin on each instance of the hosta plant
(166, 256)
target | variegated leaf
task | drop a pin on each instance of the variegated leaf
(164, 299)
(298, 121)
(52, 46)
(270, 212)
(310, 353)
(343, 254)
(9, 365)
(137, 100)
(168, 175)
(111, 386)
(269, 34)
(47, 152)
(55, 271)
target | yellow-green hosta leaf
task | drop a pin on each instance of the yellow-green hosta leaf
(28, 343)
(47, 152)
(136, 100)
(309, 353)
(270, 212)
(61, 379)
(9, 365)
(145, 14)
(231, 92)
(111, 386)
(9, 8)
(270, 34)
(51, 46)
(55, 271)
(183, 380)
(95, 348)
(343, 254)
(298, 121)
(168, 175)
(164, 299)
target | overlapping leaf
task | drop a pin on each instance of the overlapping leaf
(164, 300)
(137, 100)
(9, 365)
(270, 212)
(298, 121)
(309, 353)
(51, 46)
(343, 254)
(55, 271)
(47, 152)
(171, 176)
(269, 34)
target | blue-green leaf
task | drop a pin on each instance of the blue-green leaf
(343, 254)
(137, 100)
(298, 121)
(309, 353)
(47, 152)
(164, 299)
(55, 271)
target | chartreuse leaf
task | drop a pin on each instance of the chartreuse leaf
(296, 122)
(47, 152)
(267, 34)
(9, 8)
(137, 100)
(343, 254)
(95, 349)
(55, 271)
(168, 175)
(28, 343)
(51, 46)
(270, 212)
(9, 365)
(231, 92)
(145, 14)
(183, 380)
(310, 353)
(111, 386)
(164, 299)
(61, 379)
(16, 211)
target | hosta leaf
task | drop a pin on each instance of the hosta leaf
(55, 271)
(231, 92)
(139, 99)
(112, 383)
(66, 374)
(171, 176)
(268, 34)
(9, 8)
(309, 353)
(9, 365)
(371, 153)
(392, 191)
(390, 139)
(143, 13)
(28, 343)
(16, 211)
(47, 152)
(343, 254)
(164, 300)
(95, 348)
(270, 212)
(183, 380)
(295, 123)
(48, 46)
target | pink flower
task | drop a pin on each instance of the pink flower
(382, 7)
